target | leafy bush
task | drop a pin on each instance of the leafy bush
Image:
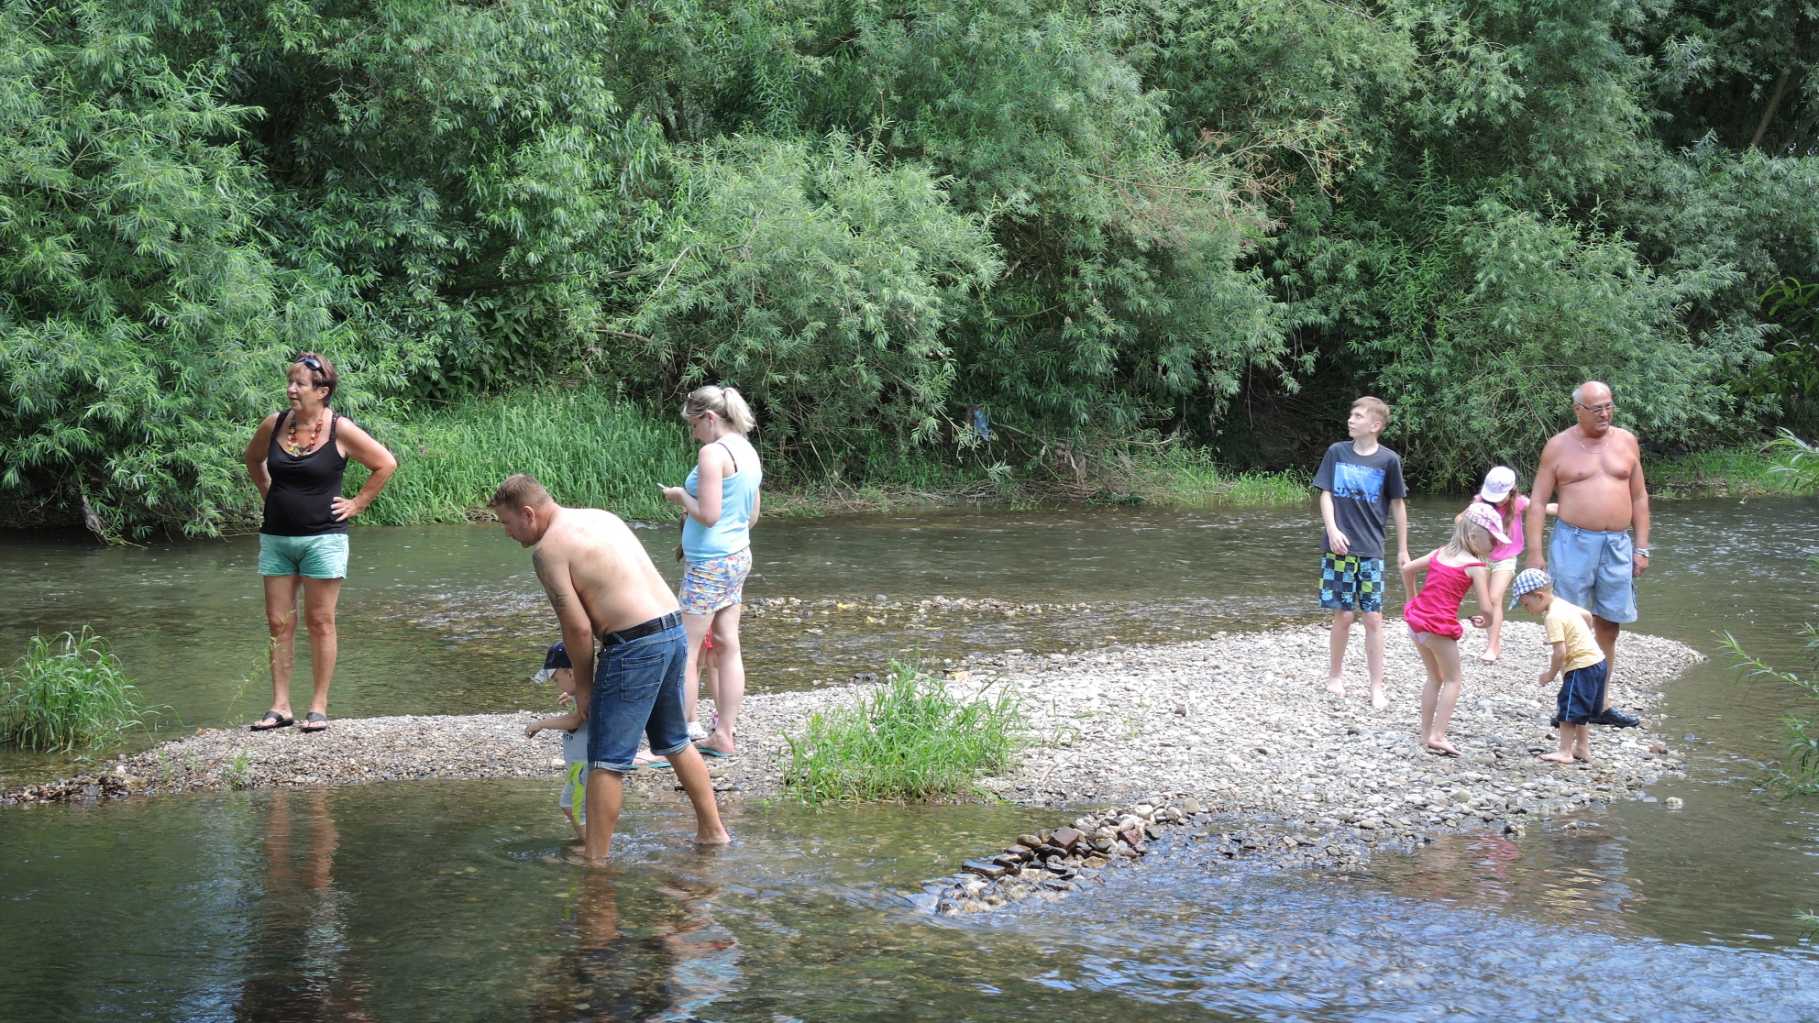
(911, 740)
(67, 692)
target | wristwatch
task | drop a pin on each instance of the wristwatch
(1642, 551)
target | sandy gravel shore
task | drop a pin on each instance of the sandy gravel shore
(1239, 722)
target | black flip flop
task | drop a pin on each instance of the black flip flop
(276, 720)
(311, 718)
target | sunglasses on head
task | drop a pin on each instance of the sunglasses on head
(309, 360)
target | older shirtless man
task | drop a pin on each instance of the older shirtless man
(602, 583)
(1594, 470)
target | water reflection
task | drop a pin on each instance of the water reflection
(666, 959)
(299, 969)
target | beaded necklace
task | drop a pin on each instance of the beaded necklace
(290, 436)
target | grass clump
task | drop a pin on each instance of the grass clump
(588, 446)
(1748, 471)
(913, 740)
(65, 692)
(1188, 476)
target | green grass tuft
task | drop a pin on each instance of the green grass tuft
(65, 692)
(590, 448)
(913, 740)
(1750, 471)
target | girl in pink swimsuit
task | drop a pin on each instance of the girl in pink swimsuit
(1432, 615)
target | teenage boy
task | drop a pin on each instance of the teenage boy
(1360, 485)
(1577, 661)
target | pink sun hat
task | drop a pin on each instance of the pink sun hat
(1481, 514)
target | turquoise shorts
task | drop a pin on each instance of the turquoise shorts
(323, 556)
(1593, 570)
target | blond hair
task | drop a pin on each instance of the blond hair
(520, 490)
(725, 402)
(1464, 532)
(1376, 407)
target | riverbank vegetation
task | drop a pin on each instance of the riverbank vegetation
(911, 740)
(1000, 236)
(67, 693)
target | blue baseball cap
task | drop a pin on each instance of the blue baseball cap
(556, 657)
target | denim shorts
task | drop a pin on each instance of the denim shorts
(637, 691)
(1582, 693)
(323, 556)
(1351, 583)
(1593, 570)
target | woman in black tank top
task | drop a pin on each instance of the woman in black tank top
(296, 459)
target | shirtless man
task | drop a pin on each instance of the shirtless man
(602, 583)
(1597, 469)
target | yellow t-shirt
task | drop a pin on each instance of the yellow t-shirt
(1566, 623)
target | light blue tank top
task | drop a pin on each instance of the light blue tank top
(738, 496)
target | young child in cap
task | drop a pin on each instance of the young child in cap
(573, 725)
(1432, 615)
(1576, 659)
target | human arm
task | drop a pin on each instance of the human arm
(1534, 521)
(563, 722)
(577, 630)
(1399, 514)
(1556, 662)
(1411, 573)
(360, 446)
(1480, 589)
(255, 454)
(1338, 542)
(757, 500)
(706, 508)
(1639, 519)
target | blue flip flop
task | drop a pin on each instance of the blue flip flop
(709, 751)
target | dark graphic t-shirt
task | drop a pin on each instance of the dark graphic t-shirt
(1362, 487)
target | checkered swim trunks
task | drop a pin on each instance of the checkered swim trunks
(1351, 583)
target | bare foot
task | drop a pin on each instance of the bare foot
(1379, 698)
(1440, 746)
(1489, 656)
(1335, 686)
(1555, 758)
(1584, 758)
(719, 836)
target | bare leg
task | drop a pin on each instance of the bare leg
(1582, 746)
(1569, 735)
(1499, 585)
(1430, 691)
(320, 597)
(1373, 657)
(1335, 647)
(731, 688)
(605, 797)
(1606, 634)
(692, 773)
(1446, 655)
(281, 622)
(696, 628)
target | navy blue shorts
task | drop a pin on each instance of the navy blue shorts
(1582, 693)
(637, 691)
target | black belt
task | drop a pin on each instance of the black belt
(655, 625)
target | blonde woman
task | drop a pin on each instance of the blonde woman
(719, 502)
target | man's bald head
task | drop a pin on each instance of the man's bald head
(1592, 392)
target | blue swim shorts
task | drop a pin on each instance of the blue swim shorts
(638, 691)
(1582, 693)
(1593, 570)
(1351, 583)
(323, 556)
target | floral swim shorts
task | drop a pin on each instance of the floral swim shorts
(708, 586)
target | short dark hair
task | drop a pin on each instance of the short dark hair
(321, 371)
(520, 490)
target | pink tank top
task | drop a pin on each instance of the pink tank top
(1436, 608)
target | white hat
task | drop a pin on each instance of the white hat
(1497, 485)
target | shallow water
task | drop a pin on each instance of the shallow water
(434, 900)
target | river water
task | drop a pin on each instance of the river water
(452, 900)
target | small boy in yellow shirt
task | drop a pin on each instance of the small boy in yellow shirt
(1576, 658)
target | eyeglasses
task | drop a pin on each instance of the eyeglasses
(1596, 409)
